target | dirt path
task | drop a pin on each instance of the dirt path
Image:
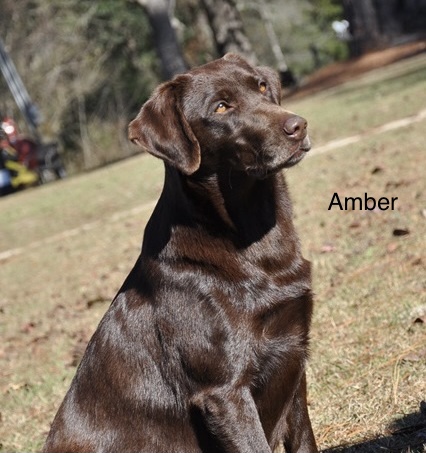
(392, 125)
(119, 216)
(337, 73)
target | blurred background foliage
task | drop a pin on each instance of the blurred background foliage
(90, 64)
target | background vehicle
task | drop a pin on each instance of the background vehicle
(42, 158)
(14, 175)
(30, 155)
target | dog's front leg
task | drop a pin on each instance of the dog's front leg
(231, 417)
(300, 438)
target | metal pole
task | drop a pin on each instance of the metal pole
(18, 90)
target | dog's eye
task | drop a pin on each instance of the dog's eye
(262, 87)
(221, 108)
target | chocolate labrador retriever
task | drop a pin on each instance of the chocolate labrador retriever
(205, 346)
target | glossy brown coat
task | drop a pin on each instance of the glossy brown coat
(204, 347)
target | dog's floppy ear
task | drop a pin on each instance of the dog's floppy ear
(162, 129)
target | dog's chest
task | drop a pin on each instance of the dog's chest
(271, 317)
(281, 333)
(270, 342)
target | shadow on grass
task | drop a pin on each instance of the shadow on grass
(406, 435)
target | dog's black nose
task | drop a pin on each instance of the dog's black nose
(295, 127)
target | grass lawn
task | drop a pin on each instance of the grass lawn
(66, 247)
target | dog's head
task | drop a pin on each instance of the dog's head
(224, 114)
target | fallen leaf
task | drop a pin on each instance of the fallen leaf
(417, 262)
(376, 170)
(418, 314)
(97, 300)
(28, 327)
(400, 231)
(396, 184)
(420, 319)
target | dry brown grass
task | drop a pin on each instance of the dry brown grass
(367, 374)
(369, 355)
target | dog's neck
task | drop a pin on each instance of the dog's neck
(231, 202)
(229, 211)
(237, 198)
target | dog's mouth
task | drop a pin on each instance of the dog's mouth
(275, 165)
(295, 158)
(299, 154)
(303, 147)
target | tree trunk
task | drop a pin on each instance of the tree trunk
(287, 77)
(364, 26)
(227, 27)
(375, 24)
(166, 43)
(389, 14)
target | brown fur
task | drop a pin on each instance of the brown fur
(204, 347)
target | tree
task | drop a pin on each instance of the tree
(379, 23)
(164, 37)
(364, 26)
(262, 9)
(227, 27)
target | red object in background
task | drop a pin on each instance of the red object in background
(26, 149)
